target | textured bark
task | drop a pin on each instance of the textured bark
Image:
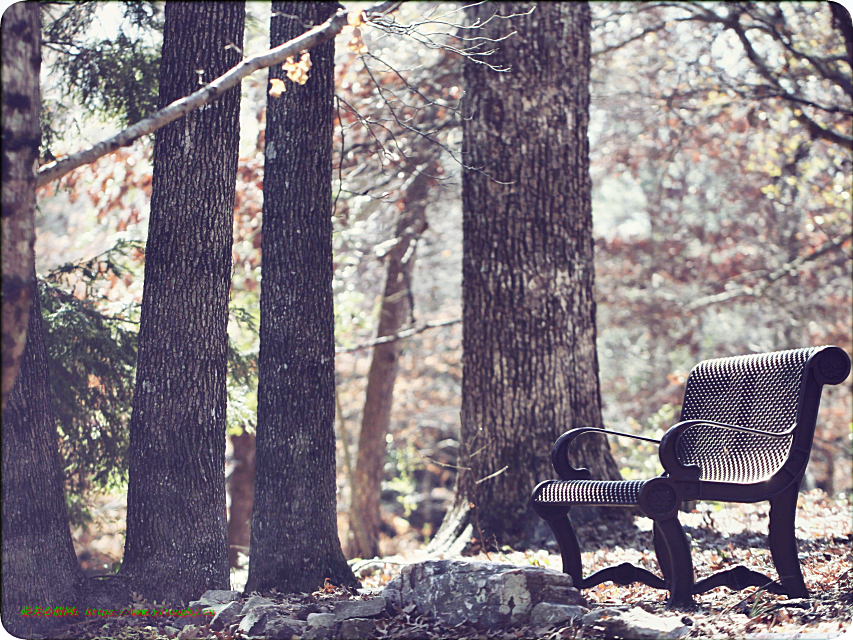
(39, 564)
(241, 489)
(176, 545)
(394, 312)
(21, 99)
(295, 544)
(529, 357)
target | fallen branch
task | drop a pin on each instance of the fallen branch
(406, 333)
(179, 108)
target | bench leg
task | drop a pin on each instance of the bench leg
(673, 551)
(783, 542)
(558, 519)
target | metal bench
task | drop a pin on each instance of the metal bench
(745, 436)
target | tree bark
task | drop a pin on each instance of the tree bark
(295, 544)
(39, 564)
(395, 309)
(21, 61)
(530, 368)
(241, 489)
(176, 545)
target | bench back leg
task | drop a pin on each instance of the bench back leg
(673, 552)
(783, 542)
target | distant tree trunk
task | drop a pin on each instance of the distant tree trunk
(21, 99)
(241, 488)
(177, 545)
(39, 564)
(394, 312)
(530, 368)
(295, 544)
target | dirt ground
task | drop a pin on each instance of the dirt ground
(721, 535)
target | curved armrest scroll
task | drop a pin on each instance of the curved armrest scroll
(669, 441)
(560, 451)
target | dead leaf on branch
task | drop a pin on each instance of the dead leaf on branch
(278, 87)
(356, 43)
(298, 71)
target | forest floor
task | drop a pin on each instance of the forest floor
(721, 535)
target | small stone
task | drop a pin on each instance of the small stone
(551, 614)
(325, 620)
(636, 624)
(219, 596)
(347, 609)
(254, 622)
(225, 616)
(171, 631)
(255, 601)
(284, 628)
(357, 628)
(303, 612)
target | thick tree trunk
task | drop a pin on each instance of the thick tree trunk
(241, 489)
(295, 544)
(530, 369)
(394, 312)
(21, 99)
(177, 546)
(39, 565)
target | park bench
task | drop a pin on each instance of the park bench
(745, 435)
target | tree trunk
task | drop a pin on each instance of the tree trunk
(530, 368)
(395, 310)
(295, 544)
(21, 60)
(241, 488)
(39, 565)
(176, 545)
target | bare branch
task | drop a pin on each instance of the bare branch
(205, 95)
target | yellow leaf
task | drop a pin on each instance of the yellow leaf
(355, 18)
(298, 71)
(278, 87)
(356, 44)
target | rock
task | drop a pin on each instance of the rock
(171, 631)
(480, 593)
(325, 620)
(255, 601)
(636, 624)
(218, 596)
(285, 629)
(392, 593)
(254, 623)
(225, 616)
(357, 628)
(303, 612)
(551, 614)
(346, 609)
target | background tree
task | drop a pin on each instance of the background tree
(395, 311)
(530, 369)
(176, 544)
(295, 545)
(20, 142)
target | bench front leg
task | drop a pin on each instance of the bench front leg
(673, 552)
(558, 519)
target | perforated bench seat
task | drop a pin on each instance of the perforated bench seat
(613, 493)
(746, 431)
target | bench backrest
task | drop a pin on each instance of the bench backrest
(763, 391)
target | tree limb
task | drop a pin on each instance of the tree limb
(208, 93)
(406, 333)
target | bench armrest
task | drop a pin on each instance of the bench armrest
(560, 451)
(669, 442)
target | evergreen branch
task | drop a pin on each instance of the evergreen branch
(319, 34)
